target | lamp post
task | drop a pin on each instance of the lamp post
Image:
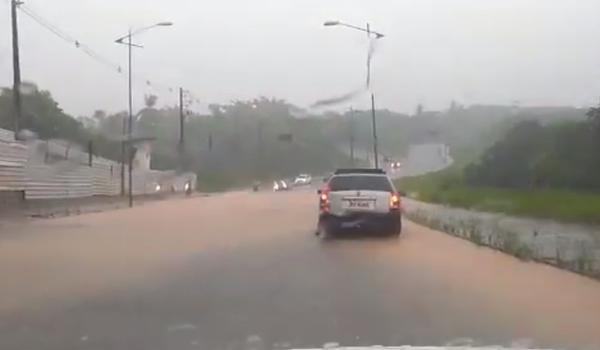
(126, 40)
(377, 35)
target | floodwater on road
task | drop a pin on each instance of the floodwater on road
(241, 268)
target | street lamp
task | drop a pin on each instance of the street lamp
(377, 35)
(143, 29)
(331, 23)
(366, 30)
(129, 44)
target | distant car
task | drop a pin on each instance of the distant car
(395, 165)
(302, 179)
(280, 185)
(359, 199)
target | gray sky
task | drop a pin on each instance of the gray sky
(538, 52)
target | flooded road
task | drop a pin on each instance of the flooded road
(244, 270)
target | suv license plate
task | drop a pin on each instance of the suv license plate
(359, 204)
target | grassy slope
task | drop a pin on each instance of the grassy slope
(446, 187)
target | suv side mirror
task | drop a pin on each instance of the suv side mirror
(319, 191)
(402, 193)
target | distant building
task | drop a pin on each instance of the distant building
(142, 157)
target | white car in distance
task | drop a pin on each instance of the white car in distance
(302, 179)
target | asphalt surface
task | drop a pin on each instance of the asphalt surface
(244, 271)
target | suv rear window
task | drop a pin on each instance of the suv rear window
(360, 182)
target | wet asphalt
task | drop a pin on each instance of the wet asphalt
(245, 271)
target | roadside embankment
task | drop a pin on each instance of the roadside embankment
(570, 246)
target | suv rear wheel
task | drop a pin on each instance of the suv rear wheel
(396, 229)
(322, 232)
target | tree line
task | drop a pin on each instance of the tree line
(265, 138)
(538, 154)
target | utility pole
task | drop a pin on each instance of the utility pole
(16, 67)
(351, 130)
(375, 153)
(259, 148)
(374, 126)
(181, 147)
(128, 142)
(368, 85)
(124, 129)
(130, 126)
(90, 153)
(369, 57)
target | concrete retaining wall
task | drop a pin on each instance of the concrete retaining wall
(61, 170)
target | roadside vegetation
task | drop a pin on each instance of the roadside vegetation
(233, 144)
(237, 143)
(547, 168)
(499, 151)
(547, 203)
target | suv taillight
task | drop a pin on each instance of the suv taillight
(394, 201)
(324, 199)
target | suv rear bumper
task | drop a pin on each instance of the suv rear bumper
(384, 223)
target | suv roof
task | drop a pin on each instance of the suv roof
(360, 181)
(359, 171)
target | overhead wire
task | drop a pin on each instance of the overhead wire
(87, 50)
(69, 39)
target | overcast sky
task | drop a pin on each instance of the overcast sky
(537, 52)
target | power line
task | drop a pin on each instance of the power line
(69, 39)
(46, 24)
(86, 49)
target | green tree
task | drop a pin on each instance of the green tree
(419, 110)
(511, 161)
(532, 155)
(593, 115)
(41, 114)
